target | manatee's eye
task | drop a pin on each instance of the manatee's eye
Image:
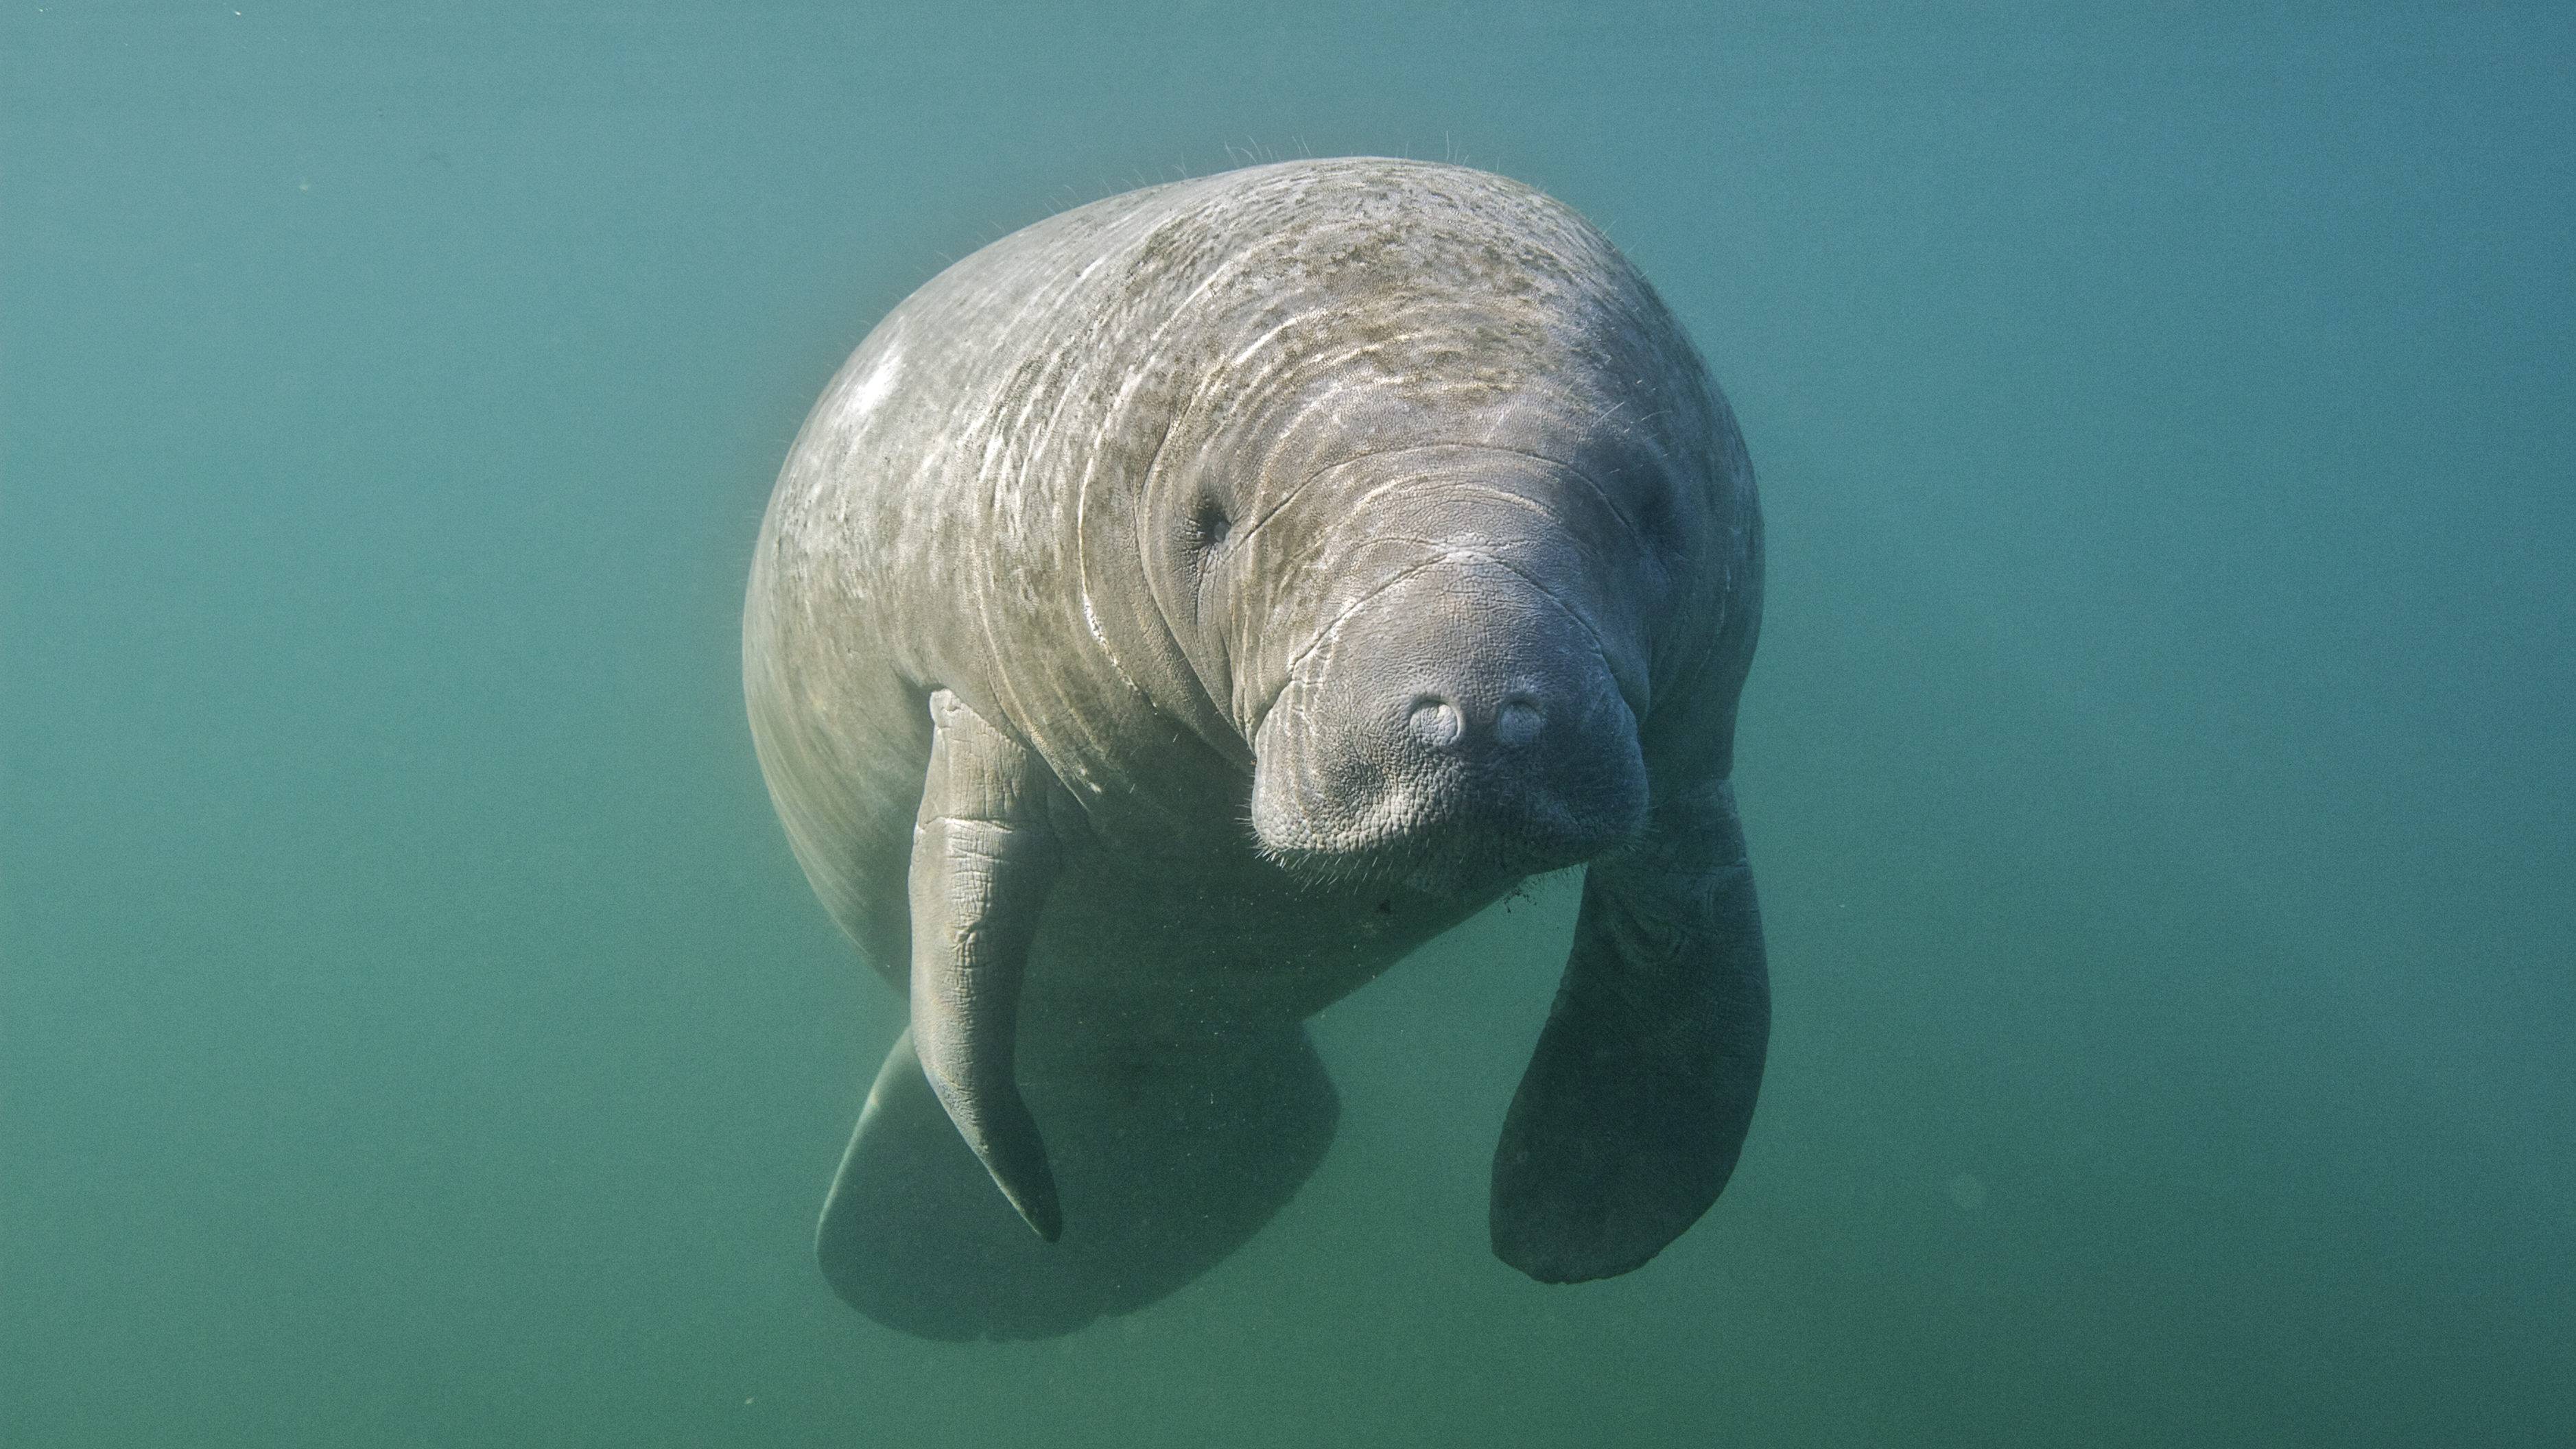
(1209, 524)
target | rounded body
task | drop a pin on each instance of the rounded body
(1179, 610)
(985, 500)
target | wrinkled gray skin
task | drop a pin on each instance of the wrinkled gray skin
(1179, 610)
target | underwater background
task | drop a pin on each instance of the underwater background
(2160, 764)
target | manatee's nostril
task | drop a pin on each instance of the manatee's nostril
(1519, 723)
(1436, 722)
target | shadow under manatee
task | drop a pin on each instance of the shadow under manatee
(1165, 1159)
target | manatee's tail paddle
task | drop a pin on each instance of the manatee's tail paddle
(1636, 1103)
(1166, 1161)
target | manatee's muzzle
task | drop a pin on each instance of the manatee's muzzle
(1458, 726)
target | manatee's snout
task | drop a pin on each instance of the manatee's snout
(1459, 724)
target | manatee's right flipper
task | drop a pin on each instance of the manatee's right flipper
(1636, 1103)
(983, 858)
(1167, 1161)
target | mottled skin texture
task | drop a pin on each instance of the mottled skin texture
(1179, 610)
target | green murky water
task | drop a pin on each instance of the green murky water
(414, 1031)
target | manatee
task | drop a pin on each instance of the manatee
(1176, 612)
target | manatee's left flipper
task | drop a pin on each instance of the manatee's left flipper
(1636, 1103)
(983, 858)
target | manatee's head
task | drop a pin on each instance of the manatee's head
(1444, 529)
(1440, 658)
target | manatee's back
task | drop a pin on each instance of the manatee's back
(901, 506)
